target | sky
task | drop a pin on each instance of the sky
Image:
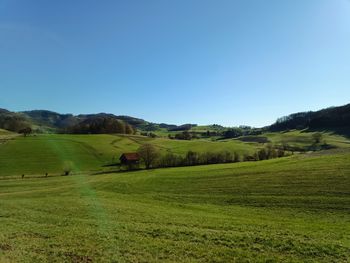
(228, 62)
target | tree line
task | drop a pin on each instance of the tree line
(152, 158)
(226, 134)
(334, 117)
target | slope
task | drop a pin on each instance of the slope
(293, 209)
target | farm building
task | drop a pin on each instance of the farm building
(130, 160)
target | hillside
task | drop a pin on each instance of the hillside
(292, 209)
(5, 132)
(13, 121)
(36, 155)
(61, 121)
(49, 121)
(334, 118)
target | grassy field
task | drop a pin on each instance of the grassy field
(304, 139)
(40, 154)
(293, 209)
(36, 155)
(4, 132)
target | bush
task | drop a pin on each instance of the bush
(183, 136)
(262, 154)
(25, 131)
(67, 167)
(192, 158)
(170, 160)
(236, 157)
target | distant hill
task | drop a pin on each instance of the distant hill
(184, 127)
(333, 118)
(13, 121)
(51, 119)
(101, 124)
(44, 120)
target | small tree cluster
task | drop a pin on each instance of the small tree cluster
(268, 152)
(149, 134)
(185, 135)
(152, 158)
(194, 158)
(25, 131)
(241, 131)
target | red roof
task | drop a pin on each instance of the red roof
(130, 156)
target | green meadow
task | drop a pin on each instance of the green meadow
(283, 210)
(291, 209)
(4, 132)
(36, 155)
(47, 153)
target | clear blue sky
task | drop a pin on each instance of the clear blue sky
(180, 61)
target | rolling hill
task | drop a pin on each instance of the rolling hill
(334, 118)
(290, 209)
(44, 120)
(36, 155)
(293, 209)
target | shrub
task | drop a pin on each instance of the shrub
(170, 160)
(67, 167)
(192, 158)
(236, 157)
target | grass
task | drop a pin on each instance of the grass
(293, 209)
(47, 153)
(163, 132)
(304, 139)
(36, 155)
(5, 132)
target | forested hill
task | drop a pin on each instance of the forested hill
(332, 118)
(49, 121)
(43, 121)
(57, 120)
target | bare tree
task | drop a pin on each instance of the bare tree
(148, 154)
(25, 131)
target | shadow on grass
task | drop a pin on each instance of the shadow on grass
(116, 171)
